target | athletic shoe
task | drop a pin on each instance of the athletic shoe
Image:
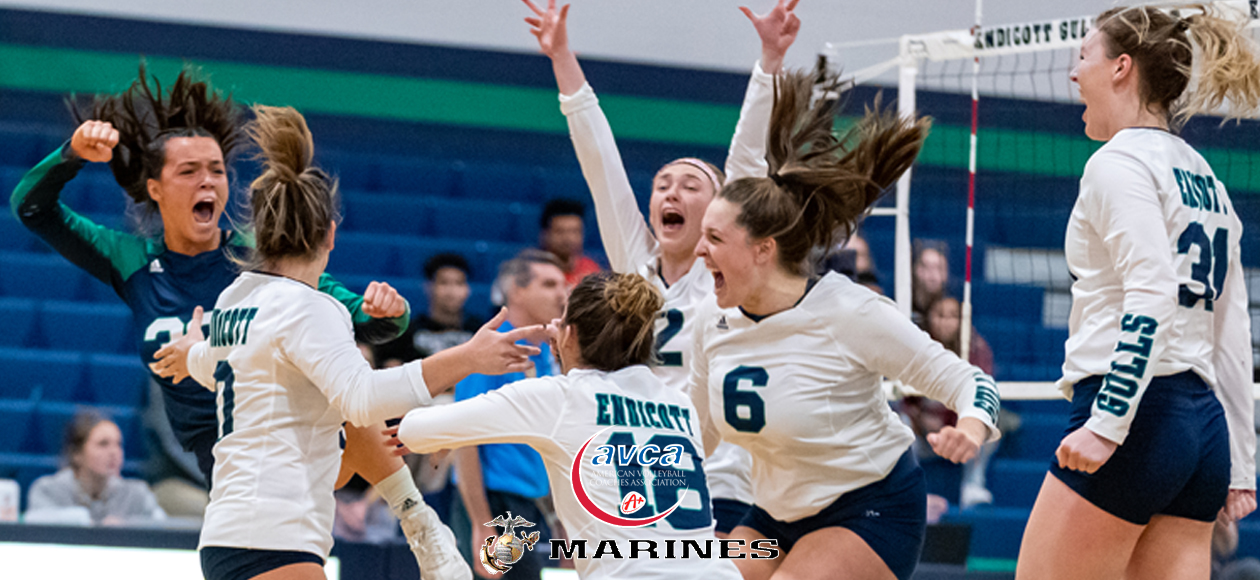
(433, 545)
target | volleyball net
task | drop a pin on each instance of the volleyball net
(1020, 149)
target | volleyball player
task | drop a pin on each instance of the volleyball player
(282, 361)
(171, 153)
(663, 249)
(610, 404)
(1158, 363)
(789, 366)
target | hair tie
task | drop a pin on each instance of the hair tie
(703, 167)
(777, 179)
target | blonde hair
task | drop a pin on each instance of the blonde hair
(614, 315)
(820, 185)
(293, 203)
(1162, 46)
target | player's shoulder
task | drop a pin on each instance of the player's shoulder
(835, 296)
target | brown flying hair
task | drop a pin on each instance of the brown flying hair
(146, 118)
(820, 185)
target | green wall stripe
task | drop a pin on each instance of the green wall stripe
(470, 104)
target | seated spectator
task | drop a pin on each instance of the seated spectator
(944, 324)
(90, 489)
(445, 324)
(929, 278)
(562, 233)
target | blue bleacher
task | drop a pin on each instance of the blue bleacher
(38, 374)
(105, 328)
(494, 180)
(45, 276)
(19, 318)
(387, 214)
(118, 380)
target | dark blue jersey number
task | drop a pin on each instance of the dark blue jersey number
(1211, 267)
(673, 325)
(666, 485)
(733, 399)
(224, 377)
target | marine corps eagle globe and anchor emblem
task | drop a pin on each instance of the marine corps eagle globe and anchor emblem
(501, 551)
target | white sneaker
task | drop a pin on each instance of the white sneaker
(973, 495)
(433, 545)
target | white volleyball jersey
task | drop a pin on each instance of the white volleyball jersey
(631, 247)
(800, 390)
(281, 357)
(639, 435)
(1153, 243)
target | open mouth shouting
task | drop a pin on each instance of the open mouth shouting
(203, 212)
(672, 220)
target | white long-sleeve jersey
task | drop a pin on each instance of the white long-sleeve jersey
(800, 390)
(558, 416)
(631, 247)
(1153, 243)
(282, 360)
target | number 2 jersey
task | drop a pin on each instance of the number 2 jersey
(286, 373)
(801, 391)
(631, 247)
(639, 435)
(1153, 244)
(160, 287)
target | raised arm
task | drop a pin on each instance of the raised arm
(777, 29)
(380, 314)
(109, 256)
(627, 240)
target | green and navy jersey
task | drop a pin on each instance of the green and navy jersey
(161, 288)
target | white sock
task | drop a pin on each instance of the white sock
(399, 492)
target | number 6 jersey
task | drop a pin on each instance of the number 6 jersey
(1153, 243)
(801, 391)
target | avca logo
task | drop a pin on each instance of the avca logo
(632, 502)
(623, 466)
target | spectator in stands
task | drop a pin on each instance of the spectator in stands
(495, 479)
(90, 488)
(853, 259)
(930, 278)
(562, 233)
(944, 317)
(445, 324)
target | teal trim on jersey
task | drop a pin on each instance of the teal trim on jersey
(472, 104)
(990, 564)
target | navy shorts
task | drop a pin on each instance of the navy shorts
(890, 515)
(219, 563)
(727, 513)
(1175, 460)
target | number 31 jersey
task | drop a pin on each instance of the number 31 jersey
(1154, 246)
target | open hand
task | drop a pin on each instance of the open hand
(172, 359)
(550, 27)
(496, 353)
(94, 141)
(777, 30)
(381, 300)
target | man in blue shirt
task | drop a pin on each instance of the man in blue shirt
(498, 478)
